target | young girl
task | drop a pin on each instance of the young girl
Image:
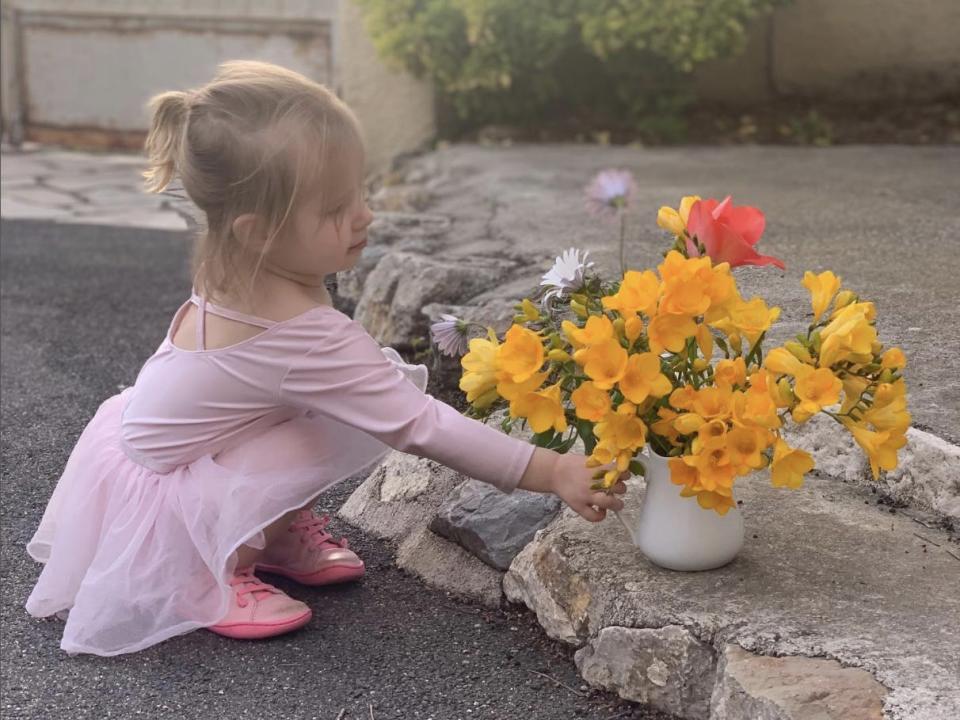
(260, 397)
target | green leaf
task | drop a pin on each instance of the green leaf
(637, 468)
(543, 439)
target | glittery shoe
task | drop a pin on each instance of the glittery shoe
(308, 554)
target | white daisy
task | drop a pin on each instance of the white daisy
(566, 274)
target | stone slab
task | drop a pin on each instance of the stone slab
(447, 566)
(792, 688)
(825, 572)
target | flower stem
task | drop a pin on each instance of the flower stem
(623, 232)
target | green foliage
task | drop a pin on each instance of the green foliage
(593, 63)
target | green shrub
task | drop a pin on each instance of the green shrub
(594, 64)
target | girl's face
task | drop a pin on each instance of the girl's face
(324, 239)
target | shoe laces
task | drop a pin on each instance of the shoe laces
(244, 583)
(313, 529)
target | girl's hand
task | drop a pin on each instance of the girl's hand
(571, 480)
(568, 477)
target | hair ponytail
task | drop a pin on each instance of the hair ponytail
(164, 141)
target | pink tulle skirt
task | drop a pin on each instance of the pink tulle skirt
(133, 557)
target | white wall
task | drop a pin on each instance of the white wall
(81, 71)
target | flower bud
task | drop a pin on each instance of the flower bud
(799, 352)
(556, 341)
(530, 311)
(560, 356)
(844, 298)
(688, 423)
(580, 298)
(633, 327)
(785, 395)
(700, 364)
(578, 308)
(816, 341)
(886, 376)
(487, 399)
(619, 326)
(705, 341)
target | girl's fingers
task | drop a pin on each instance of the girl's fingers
(592, 514)
(608, 502)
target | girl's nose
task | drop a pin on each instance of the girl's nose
(365, 217)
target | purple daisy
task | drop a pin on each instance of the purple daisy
(450, 335)
(610, 192)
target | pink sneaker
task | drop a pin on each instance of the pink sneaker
(309, 555)
(259, 610)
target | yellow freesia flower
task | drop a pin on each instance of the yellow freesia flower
(521, 354)
(664, 426)
(753, 318)
(676, 220)
(729, 373)
(853, 388)
(848, 337)
(481, 365)
(816, 389)
(889, 408)
(604, 363)
(713, 402)
(893, 359)
(622, 428)
(681, 473)
(755, 407)
(642, 378)
(880, 447)
(683, 397)
(670, 332)
(710, 435)
(638, 293)
(632, 328)
(510, 390)
(677, 268)
(714, 468)
(590, 402)
(684, 297)
(746, 446)
(603, 452)
(598, 329)
(782, 362)
(822, 288)
(543, 409)
(789, 465)
(716, 501)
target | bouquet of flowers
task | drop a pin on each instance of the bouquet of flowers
(674, 359)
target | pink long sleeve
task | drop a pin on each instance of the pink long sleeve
(345, 376)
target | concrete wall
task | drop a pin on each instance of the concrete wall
(80, 71)
(397, 109)
(845, 50)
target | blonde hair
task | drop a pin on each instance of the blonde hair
(237, 145)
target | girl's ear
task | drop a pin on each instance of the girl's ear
(246, 228)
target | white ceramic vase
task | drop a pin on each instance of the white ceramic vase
(674, 532)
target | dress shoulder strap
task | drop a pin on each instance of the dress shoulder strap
(204, 307)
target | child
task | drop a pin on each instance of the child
(260, 397)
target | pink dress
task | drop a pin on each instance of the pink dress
(209, 447)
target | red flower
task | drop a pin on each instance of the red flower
(728, 233)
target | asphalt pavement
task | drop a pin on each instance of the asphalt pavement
(82, 308)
